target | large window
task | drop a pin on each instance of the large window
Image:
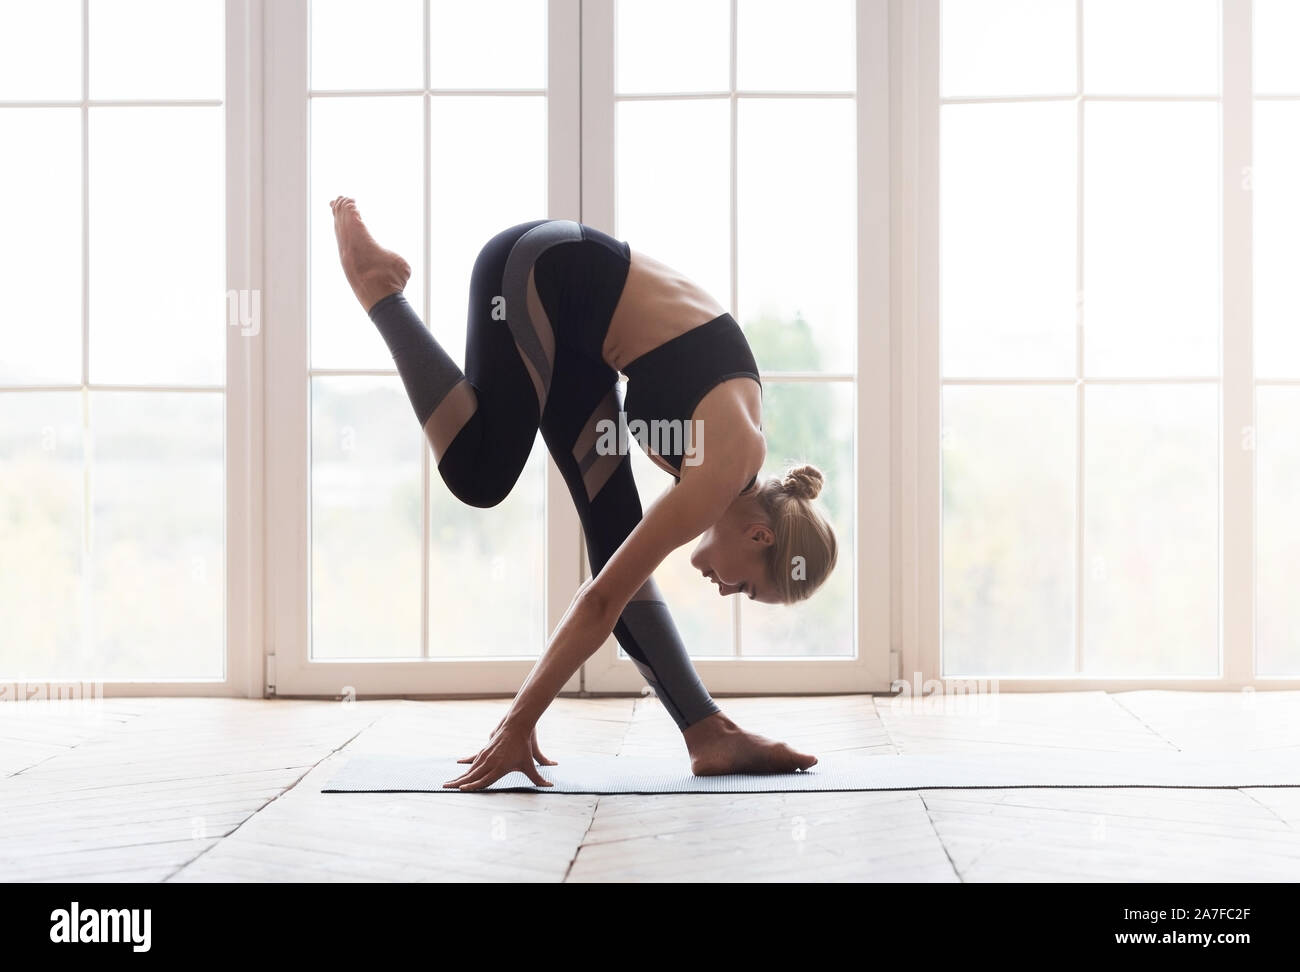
(113, 375)
(736, 160)
(1100, 429)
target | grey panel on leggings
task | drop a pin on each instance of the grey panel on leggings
(673, 678)
(1028, 769)
(514, 282)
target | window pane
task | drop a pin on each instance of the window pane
(702, 617)
(41, 520)
(40, 51)
(675, 205)
(1007, 47)
(697, 32)
(157, 245)
(476, 190)
(1151, 239)
(806, 47)
(1008, 240)
(1276, 194)
(1151, 46)
(157, 49)
(376, 44)
(1151, 543)
(487, 44)
(1008, 530)
(1277, 531)
(386, 186)
(365, 519)
(480, 560)
(1276, 33)
(810, 422)
(797, 224)
(157, 561)
(40, 250)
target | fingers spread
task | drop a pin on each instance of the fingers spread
(533, 774)
(469, 774)
(478, 781)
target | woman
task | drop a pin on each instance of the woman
(556, 310)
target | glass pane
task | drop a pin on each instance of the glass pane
(797, 222)
(386, 186)
(1008, 530)
(1277, 471)
(41, 523)
(365, 520)
(1276, 195)
(157, 49)
(1276, 33)
(157, 552)
(1008, 240)
(476, 190)
(1151, 46)
(40, 250)
(697, 32)
(805, 47)
(40, 51)
(1007, 47)
(376, 44)
(487, 570)
(1151, 239)
(487, 44)
(157, 245)
(675, 205)
(1151, 539)
(702, 617)
(810, 422)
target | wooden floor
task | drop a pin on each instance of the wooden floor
(227, 790)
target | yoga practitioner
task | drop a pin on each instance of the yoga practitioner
(556, 310)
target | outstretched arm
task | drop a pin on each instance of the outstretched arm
(675, 518)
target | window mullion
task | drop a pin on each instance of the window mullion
(1080, 391)
(1237, 499)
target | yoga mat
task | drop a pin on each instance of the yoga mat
(965, 771)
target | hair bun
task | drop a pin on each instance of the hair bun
(805, 482)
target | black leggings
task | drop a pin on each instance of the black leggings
(541, 297)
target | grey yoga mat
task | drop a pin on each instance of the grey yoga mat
(1031, 768)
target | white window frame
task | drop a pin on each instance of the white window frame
(868, 667)
(916, 25)
(572, 114)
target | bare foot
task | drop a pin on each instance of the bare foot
(717, 745)
(373, 272)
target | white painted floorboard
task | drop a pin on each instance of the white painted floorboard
(227, 790)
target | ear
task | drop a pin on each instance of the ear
(760, 533)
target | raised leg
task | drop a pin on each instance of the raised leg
(480, 422)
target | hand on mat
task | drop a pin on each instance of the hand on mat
(508, 750)
(532, 741)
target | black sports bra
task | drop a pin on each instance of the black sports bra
(669, 382)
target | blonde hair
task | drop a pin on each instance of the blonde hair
(805, 549)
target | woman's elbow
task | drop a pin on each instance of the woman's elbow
(595, 605)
